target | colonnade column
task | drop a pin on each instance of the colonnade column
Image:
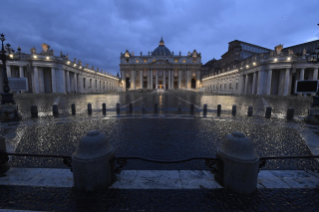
(132, 80)
(254, 83)
(241, 84)
(287, 76)
(21, 72)
(246, 84)
(315, 74)
(141, 79)
(152, 75)
(268, 88)
(188, 79)
(302, 74)
(8, 71)
(179, 79)
(53, 80)
(67, 81)
(156, 79)
(75, 82)
(170, 79)
(36, 79)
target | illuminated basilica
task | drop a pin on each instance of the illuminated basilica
(160, 69)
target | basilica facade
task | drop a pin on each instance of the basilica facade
(160, 69)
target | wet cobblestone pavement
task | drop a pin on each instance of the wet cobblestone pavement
(66, 199)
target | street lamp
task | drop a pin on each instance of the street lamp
(7, 53)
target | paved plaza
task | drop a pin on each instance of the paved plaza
(166, 135)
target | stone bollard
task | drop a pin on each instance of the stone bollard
(250, 111)
(55, 110)
(179, 109)
(131, 108)
(205, 110)
(290, 114)
(238, 164)
(34, 111)
(143, 108)
(4, 165)
(118, 109)
(219, 110)
(92, 163)
(233, 111)
(90, 109)
(104, 109)
(73, 109)
(268, 112)
(192, 109)
(155, 108)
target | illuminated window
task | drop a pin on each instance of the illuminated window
(184, 61)
(194, 61)
(137, 61)
(145, 61)
(176, 60)
(154, 60)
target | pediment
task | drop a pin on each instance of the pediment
(160, 62)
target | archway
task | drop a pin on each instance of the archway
(128, 83)
(193, 83)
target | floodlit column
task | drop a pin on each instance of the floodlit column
(268, 88)
(36, 79)
(8, 71)
(241, 85)
(53, 79)
(254, 83)
(287, 73)
(246, 84)
(67, 81)
(132, 80)
(141, 79)
(170, 79)
(315, 74)
(156, 79)
(188, 79)
(179, 79)
(75, 83)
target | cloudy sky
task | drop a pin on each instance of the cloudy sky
(96, 32)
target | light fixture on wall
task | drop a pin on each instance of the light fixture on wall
(254, 63)
(275, 59)
(48, 58)
(288, 58)
(35, 57)
(68, 62)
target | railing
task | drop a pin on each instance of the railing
(122, 160)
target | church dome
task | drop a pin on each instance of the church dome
(161, 50)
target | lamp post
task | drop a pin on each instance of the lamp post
(7, 53)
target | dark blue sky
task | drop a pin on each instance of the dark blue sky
(97, 31)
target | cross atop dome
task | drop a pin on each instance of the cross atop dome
(161, 43)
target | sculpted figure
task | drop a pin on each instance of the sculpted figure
(80, 62)
(61, 54)
(304, 51)
(86, 65)
(45, 48)
(278, 49)
(67, 56)
(74, 60)
(290, 51)
(33, 50)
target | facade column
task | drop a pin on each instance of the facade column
(315, 74)
(8, 71)
(36, 79)
(268, 88)
(141, 79)
(287, 76)
(170, 79)
(246, 84)
(241, 85)
(179, 79)
(156, 79)
(164, 79)
(53, 80)
(67, 81)
(80, 84)
(75, 82)
(254, 84)
(152, 75)
(188, 79)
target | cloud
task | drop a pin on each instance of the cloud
(97, 31)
